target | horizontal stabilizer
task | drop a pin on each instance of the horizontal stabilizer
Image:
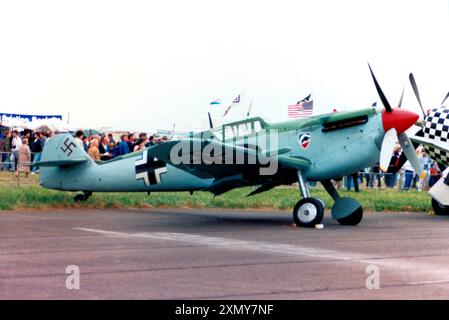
(60, 163)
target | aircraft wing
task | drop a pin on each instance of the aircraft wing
(226, 169)
(438, 150)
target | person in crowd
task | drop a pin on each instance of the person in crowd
(361, 175)
(425, 164)
(93, 151)
(139, 145)
(79, 136)
(353, 180)
(111, 138)
(113, 147)
(143, 136)
(151, 141)
(377, 174)
(43, 139)
(131, 141)
(2, 143)
(408, 173)
(391, 178)
(105, 151)
(7, 151)
(23, 158)
(86, 143)
(123, 147)
(367, 174)
(36, 149)
(15, 146)
(337, 183)
(434, 172)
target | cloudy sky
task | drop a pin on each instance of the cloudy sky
(149, 64)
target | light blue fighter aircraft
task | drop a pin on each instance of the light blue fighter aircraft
(319, 148)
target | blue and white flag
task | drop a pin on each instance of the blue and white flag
(215, 102)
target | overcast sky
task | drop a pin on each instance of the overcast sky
(148, 64)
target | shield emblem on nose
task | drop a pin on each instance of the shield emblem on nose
(304, 140)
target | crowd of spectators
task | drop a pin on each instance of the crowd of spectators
(20, 150)
(404, 178)
(104, 147)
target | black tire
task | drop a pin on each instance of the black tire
(353, 219)
(439, 209)
(308, 212)
(80, 198)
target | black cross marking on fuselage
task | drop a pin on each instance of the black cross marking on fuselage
(68, 147)
(150, 169)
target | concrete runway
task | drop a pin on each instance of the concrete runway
(194, 254)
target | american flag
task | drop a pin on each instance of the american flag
(300, 109)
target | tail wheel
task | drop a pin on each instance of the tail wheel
(308, 212)
(439, 209)
(353, 219)
(80, 198)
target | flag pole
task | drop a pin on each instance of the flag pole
(211, 125)
(249, 108)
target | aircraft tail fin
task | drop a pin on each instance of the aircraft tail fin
(62, 150)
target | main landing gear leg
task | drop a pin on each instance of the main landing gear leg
(308, 211)
(347, 211)
(82, 197)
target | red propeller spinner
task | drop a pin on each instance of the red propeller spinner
(399, 119)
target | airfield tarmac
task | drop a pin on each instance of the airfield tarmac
(212, 254)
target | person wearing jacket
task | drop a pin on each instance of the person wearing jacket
(23, 158)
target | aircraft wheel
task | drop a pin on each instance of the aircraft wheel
(308, 212)
(353, 219)
(80, 198)
(439, 209)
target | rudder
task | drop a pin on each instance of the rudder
(62, 150)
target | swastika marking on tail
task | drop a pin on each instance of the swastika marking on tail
(68, 147)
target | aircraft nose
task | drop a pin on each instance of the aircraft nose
(399, 119)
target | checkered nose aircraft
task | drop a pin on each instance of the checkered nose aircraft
(319, 149)
(434, 137)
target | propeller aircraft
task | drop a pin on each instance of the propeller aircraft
(434, 137)
(251, 152)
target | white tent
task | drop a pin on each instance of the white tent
(52, 124)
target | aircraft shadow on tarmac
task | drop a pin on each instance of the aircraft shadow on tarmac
(180, 218)
(217, 219)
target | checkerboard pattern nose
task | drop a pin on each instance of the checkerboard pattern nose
(437, 128)
(437, 124)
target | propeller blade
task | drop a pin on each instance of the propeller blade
(415, 90)
(386, 151)
(409, 150)
(210, 121)
(380, 92)
(402, 97)
(447, 96)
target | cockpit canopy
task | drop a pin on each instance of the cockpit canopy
(235, 130)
